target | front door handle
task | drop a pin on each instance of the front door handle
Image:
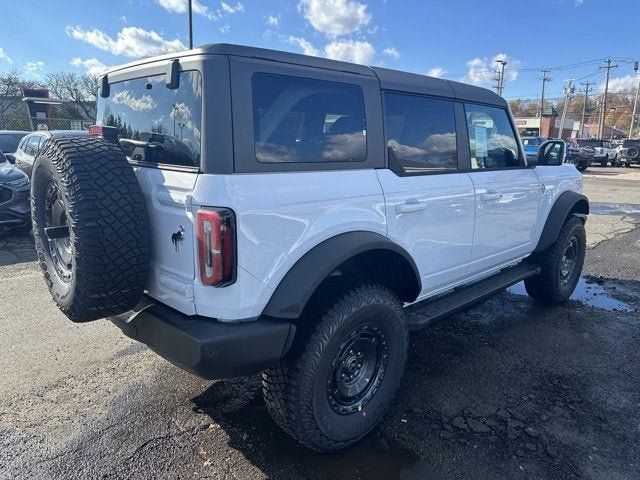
(490, 197)
(410, 206)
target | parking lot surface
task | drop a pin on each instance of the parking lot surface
(509, 389)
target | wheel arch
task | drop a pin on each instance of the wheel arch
(360, 247)
(568, 203)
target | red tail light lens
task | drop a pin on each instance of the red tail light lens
(216, 246)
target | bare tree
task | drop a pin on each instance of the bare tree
(10, 92)
(79, 89)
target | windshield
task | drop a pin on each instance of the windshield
(531, 141)
(9, 141)
(630, 143)
(156, 125)
(590, 143)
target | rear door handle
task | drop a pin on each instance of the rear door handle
(410, 206)
(490, 197)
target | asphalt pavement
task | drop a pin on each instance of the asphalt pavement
(509, 389)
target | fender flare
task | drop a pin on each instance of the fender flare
(297, 286)
(567, 203)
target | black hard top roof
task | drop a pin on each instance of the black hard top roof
(389, 79)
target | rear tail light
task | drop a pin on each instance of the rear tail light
(216, 246)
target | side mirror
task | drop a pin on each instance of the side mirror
(552, 152)
(10, 158)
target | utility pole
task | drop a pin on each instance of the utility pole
(635, 102)
(608, 68)
(613, 127)
(501, 76)
(584, 105)
(545, 79)
(190, 25)
(568, 92)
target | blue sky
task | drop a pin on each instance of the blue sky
(456, 39)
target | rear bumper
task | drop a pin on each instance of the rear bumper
(206, 347)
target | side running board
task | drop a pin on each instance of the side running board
(463, 297)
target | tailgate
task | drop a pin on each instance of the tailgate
(173, 244)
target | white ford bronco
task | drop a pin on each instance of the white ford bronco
(241, 210)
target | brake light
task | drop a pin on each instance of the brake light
(108, 133)
(216, 246)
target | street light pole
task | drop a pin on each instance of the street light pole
(635, 102)
(190, 24)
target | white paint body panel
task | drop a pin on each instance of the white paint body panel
(453, 236)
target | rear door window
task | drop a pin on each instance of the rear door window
(305, 120)
(421, 133)
(156, 125)
(492, 139)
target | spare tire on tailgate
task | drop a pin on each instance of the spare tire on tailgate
(90, 226)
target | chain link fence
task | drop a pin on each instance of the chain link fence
(25, 123)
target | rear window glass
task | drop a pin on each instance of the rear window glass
(421, 133)
(156, 125)
(9, 142)
(307, 120)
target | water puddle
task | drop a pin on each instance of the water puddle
(602, 208)
(589, 293)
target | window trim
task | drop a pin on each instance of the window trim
(396, 167)
(245, 161)
(359, 87)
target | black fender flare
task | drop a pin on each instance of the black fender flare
(297, 286)
(568, 203)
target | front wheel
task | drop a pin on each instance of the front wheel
(341, 375)
(561, 265)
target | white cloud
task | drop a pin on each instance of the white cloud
(350, 51)
(130, 41)
(5, 57)
(391, 52)
(482, 71)
(122, 18)
(306, 47)
(437, 72)
(125, 97)
(34, 68)
(225, 28)
(93, 66)
(180, 6)
(273, 20)
(335, 17)
(238, 7)
(578, 2)
(621, 84)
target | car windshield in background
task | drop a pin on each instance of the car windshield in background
(590, 143)
(531, 141)
(9, 141)
(630, 143)
(156, 125)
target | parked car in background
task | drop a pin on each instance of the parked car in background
(581, 157)
(531, 144)
(604, 153)
(9, 140)
(15, 210)
(29, 147)
(630, 152)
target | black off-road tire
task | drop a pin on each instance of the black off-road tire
(549, 286)
(296, 391)
(581, 167)
(108, 229)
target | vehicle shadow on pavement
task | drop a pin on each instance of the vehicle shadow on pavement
(17, 248)
(236, 406)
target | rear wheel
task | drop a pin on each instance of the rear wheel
(342, 373)
(90, 227)
(561, 265)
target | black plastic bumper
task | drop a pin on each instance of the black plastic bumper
(206, 347)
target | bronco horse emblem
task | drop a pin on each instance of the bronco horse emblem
(177, 238)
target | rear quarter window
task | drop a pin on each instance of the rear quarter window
(156, 125)
(305, 120)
